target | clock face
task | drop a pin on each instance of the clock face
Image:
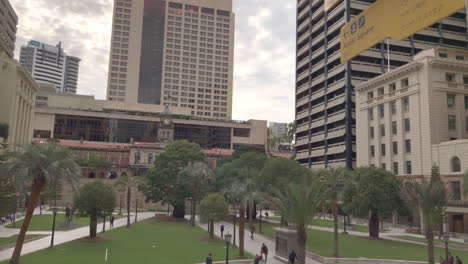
(167, 122)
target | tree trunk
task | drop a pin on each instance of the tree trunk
(129, 194)
(92, 226)
(36, 188)
(335, 226)
(250, 215)
(301, 242)
(241, 230)
(430, 244)
(374, 224)
(212, 229)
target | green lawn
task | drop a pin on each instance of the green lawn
(329, 223)
(321, 242)
(4, 241)
(145, 242)
(44, 222)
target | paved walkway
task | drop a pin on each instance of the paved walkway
(64, 236)
(251, 246)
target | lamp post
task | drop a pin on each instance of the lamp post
(446, 240)
(227, 238)
(136, 210)
(234, 241)
(53, 227)
(104, 224)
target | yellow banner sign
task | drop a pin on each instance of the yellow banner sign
(329, 4)
(364, 31)
(397, 19)
(412, 16)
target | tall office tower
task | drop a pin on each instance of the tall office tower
(176, 53)
(8, 22)
(325, 118)
(51, 64)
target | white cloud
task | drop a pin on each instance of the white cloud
(264, 48)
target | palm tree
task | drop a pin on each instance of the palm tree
(299, 202)
(252, 194)
(333, 178)
(199, 174)
(128, 182)
(430, 198)
(236, 195)
(38, 165)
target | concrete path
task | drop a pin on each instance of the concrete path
(65, 236)
(251, 246)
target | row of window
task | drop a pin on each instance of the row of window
(172, 20)
(395, 167)
(406, 125)
(452, 99)
(209, 70)
(178, 14)
(393, 108)
(383, 150)
(195, 43)
(201, 61)
(391, 88)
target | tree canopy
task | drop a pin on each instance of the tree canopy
(165, 182)
(95, 199)
(372, 190)
(213, 208)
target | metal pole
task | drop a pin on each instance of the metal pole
(227, 252)
(260, 221)
(234, 241)
(120, 208)
(466, 10)
(53, 230)
(388, 52)
(136, 210)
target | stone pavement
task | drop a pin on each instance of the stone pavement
(251, 246)
(64, 236)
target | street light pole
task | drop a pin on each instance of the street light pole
(136, 210)
(234, 242)
(120, 208)
(227, 238)
(53, 228)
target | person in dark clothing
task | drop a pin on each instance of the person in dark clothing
(252, 231)
(257, 259)
(222, 230)
(450, 258)
(209, 259)
(266, 215)
(264, 252)
(292, 257)
(111, 221)
(458, 260)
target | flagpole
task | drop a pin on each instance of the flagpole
(388, 52)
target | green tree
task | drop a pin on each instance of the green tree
(372, 190)
(165, 182)
(430, 199)
(242, 149)
(198, 174)
(7, 185)
(38, 165)
(213, 208)
(95, 199)
(128, 183)
(334, 179)
(299, 202)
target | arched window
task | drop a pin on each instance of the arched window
(455, 164)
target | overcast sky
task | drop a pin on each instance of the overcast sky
(264, 48)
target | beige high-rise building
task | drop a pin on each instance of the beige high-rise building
(178, 53)
(8, 23)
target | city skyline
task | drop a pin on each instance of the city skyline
(264, 46)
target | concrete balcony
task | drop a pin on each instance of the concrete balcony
(302, 141)
(303, 62)
(317, 152)
(318, 109)
(317, 80)
(318, 65)
(303, 49)
(335, 86)
(337, 25)
(335, 102)
(303, 75)
(318, 138)
(317, 95)
(304, 24)
(336, 133)
(303, 13)
(302, 88)
(318, 25)
(336, 70)
(302, 128)
(318, 39)
(317, 123)
(336, 149)
(303, 114)
(336, 117)
(302, 155)
(303, 37)
(302, 101)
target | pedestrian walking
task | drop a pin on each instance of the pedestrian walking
(209, 259)
(292, 257)
(266, 215)
(111, 221)
(458, 260)
(222, 230)
(252, 230)
(2, 220)
(264, 252)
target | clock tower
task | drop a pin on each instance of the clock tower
(166, 127)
